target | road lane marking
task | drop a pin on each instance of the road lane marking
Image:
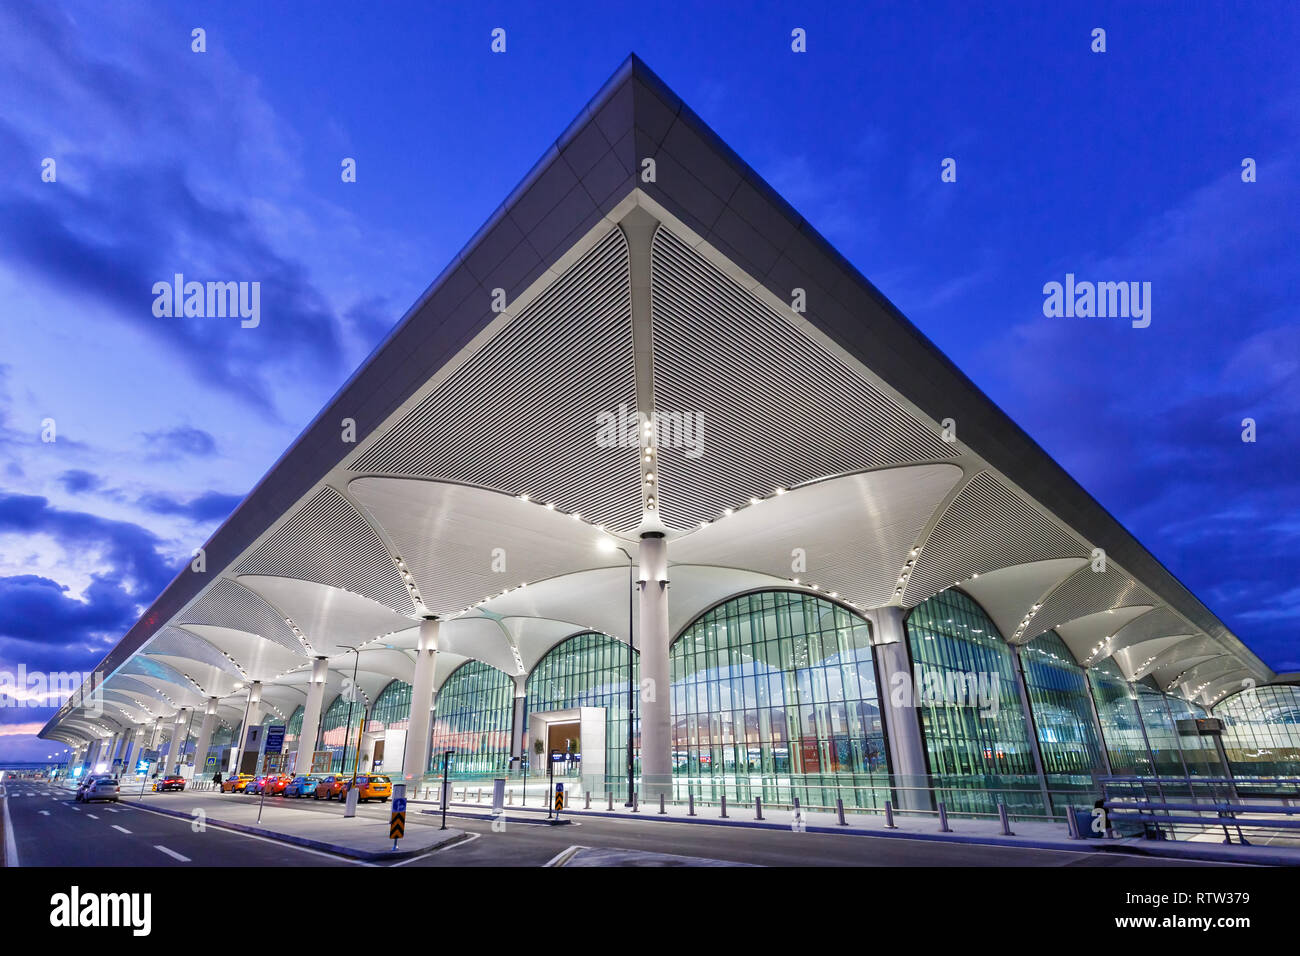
(45, 813)
(11, 845)
(72, 807)
(172, 853)
(470, 839)
(111, 810)
(564, 856)
(92, 816)
(123, 829)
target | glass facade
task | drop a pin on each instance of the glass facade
(335, 732)
(587, 670)
(976, 738)
(1261, 733)
(1058, 697)
(472, 714)
(774, 695)
(392, 710)
(1117, 712)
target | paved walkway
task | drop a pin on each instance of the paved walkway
(1027, 834)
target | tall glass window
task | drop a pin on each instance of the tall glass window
(336, 732)
(1199, 752)
(1166, 748)
(587, 670)
(1058, 696)
(1117, 712)
(774, 694)
(392, 710)
(1261, 732)
(977, 742)
(293, 730)
(472, 715)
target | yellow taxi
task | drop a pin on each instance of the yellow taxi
(372, 786)
(236, 783)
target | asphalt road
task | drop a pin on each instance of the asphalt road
(51, 829)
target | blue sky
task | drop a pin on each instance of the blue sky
(1122, 165)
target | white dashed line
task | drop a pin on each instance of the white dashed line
(123, 829)
(92, 816)
(172, 853)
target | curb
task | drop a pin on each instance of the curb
(367, 856)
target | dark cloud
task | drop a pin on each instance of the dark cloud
(208, 507)
(182, 441)
(78, 481)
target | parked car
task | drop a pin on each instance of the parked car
(370, 786)
(236, 783)
(274, 785)
(100, 787)
(332, 786)
(302, 786)
(255, 785)
(170, 781)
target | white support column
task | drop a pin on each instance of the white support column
(518, 725)
(416, 758)
(307, 741)
(898, 699)
(205, 737)
(656, 694)
(252, 717)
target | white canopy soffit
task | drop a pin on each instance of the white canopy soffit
(499, 454)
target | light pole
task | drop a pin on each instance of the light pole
(631, 694)
(352, 696)
(446, 764)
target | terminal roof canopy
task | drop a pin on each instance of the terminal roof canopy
(648, 276)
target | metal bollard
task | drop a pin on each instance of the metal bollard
(587, 805)
(661, 804)
(479, 798)
(943, 819)
(889, 816)
(510, 797)
(636, 802)
(610, 795)
(758, 808)
(690, 804)
(839, 810)
(724, 806)
(1002, 816)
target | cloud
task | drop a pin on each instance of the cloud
(182, 441)
(76, 481)
(208, 507)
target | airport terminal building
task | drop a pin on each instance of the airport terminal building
(651, 473)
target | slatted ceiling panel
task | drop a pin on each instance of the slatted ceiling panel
(329, 542)
(986, 527)
(1086, 592)
(173, 642)
(227, 604)
(1160, 622)
(777, 408)
(521, 416)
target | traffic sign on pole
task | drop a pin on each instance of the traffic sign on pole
(397, 822)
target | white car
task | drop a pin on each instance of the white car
(101, 787)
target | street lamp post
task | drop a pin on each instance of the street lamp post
(351, 698)
(446, 764)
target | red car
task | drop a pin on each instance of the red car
(171, 781)
(274, 785)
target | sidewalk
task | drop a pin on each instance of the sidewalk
(1026, 834)
(361, 837)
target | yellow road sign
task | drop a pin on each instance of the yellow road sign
(559, 802)
(397, 826)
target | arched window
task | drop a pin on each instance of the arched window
(1261, 731)
(587, 670)
(778, 685)
(337, 730)
(1058, 696)
(964, 682)
(392, 710)
(472, 715)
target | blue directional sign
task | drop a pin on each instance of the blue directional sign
(399, 804)
(275, 738)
